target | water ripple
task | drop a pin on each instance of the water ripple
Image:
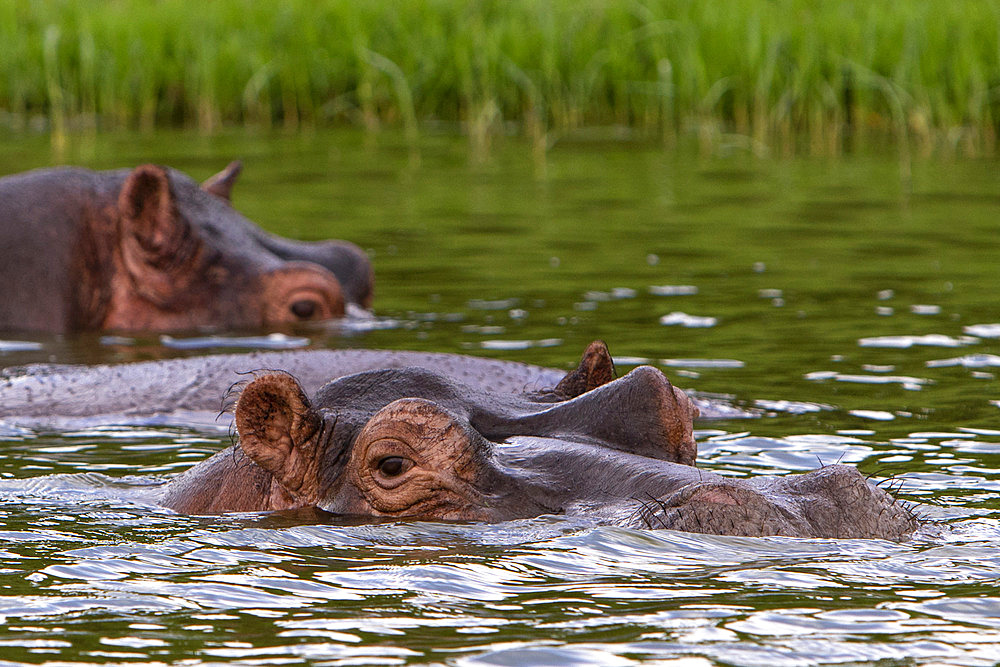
(519, 344)
(18, 346)
(968, 361)
(906, 381)
(903, 342)
(792, 453)
(983, 330)
(274, 341)
(672, 290)
(678, 318)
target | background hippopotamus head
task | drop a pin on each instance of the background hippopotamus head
(150, 249)
(187, 259)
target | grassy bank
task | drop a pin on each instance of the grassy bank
(779, 75)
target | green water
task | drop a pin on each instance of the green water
(818, 274)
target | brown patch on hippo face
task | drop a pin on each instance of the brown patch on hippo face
(413, 459)
(678, 414)
(167, 278)
(279, 430)
(410, 459)
(671, 410)
(300, 292)
(728, 507)
(641, 413)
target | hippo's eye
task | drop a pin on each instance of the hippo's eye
(304, 309)
(392, 466)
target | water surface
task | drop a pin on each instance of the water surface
(853, 309)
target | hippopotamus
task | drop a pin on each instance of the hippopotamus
(188, 391)
(149, 249)
(411, 443)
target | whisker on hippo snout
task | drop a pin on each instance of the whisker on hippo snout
(894, 486)
(648, 510)
(660, 520)
(837, 462)
(231, 395)
(642, 513)
(878, 472)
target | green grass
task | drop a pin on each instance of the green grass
(772, 75)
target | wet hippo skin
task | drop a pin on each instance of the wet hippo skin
(150, 249)
(412, 443)
(53, 395)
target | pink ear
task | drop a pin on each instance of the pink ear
(276, 425)
(158, 246)
(147, 208)
(221, 185)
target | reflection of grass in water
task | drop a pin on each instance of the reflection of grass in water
(788, 75)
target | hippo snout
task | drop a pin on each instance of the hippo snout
(835, 501)
(724, 508)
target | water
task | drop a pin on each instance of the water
(852, 308)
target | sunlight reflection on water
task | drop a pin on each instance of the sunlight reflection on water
(330, 587)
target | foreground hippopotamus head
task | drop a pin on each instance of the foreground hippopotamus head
(149, 249)
(407, 443)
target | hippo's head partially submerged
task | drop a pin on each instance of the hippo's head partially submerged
(150, 249)
(407, 443)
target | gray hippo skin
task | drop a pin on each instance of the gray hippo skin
(150, 249)
(190, 391)
(412, 444)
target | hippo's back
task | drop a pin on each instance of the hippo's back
(47, 394)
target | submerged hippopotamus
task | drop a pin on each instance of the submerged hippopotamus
(150, 249)
(412, 443)
(188, 391)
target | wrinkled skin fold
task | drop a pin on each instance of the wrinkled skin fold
(148, 249)
(412, 444)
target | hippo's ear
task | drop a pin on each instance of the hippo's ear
(276, 426)
(221, 185)
(596, 368)
(146, 204)
(158, 246)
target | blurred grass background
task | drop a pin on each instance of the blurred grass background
(773, 76)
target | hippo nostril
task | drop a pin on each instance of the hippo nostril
(304, 309)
